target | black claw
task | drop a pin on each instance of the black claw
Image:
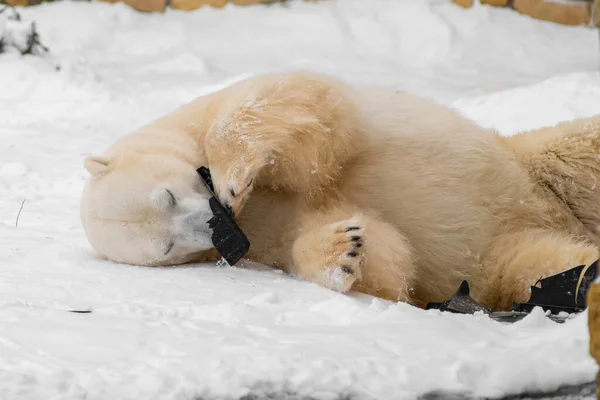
(355, 238)
(232, 192)
(351, 228)
(357, 244)
(352, 254)
(347, 270)
(228, 208)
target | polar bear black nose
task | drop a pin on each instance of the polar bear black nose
(227, 206)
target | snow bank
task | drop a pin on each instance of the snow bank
(176, 333)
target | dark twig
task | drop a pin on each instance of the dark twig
(34, 45)
(19, 214)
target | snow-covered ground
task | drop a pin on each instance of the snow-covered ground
(208, 332)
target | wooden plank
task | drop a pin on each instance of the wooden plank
(190, 5)
(571, 13)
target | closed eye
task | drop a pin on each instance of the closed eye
(169, 247)
(172, 199)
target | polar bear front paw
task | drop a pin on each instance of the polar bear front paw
(234, 185)
(333, 255)
(347, 241)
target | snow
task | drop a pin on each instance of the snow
(208, 331)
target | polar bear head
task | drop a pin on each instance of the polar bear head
(145, 209)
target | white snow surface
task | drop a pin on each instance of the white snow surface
(206, 331)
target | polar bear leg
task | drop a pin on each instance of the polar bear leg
(354, 251)
(518, 260)
(293, 133)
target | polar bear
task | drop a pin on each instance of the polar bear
(352, 188)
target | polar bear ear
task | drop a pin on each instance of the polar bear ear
(96, 165)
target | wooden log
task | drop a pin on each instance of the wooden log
(16, 3)
(147, 5)
(463, 3)
(566, 13)
(497, 3)
(593, 303)
(190, 5)
(249, 2)
(593, 300)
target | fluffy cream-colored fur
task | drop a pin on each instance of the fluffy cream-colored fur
(353, 188)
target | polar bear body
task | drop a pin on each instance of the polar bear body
(350, 188)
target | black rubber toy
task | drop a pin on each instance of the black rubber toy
(559, 295)
(227, 237)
